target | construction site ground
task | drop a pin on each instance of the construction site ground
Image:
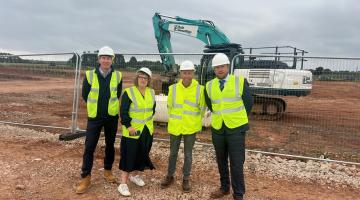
(42, 168)
(35, 165)
(325, 123)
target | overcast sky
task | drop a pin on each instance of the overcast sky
(322, 27)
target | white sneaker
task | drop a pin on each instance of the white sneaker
(137, 180)
(124, 190)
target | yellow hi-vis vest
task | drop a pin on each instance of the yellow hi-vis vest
(141, 111)
(92, 100)
(227, 105)
(185, 108)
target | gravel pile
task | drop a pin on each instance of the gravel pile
(15, 132)
(42, 168)
(323, 173)
(338, 175)
(14, 116)
(204, 158)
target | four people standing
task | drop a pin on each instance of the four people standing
(227, 96)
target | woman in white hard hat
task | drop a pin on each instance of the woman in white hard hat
(136, 112)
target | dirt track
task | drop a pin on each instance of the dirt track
(35, 165)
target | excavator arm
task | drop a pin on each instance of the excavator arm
(203, 30)
(265, 88)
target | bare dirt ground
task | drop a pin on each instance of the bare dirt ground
(323, 123)
(327, 122)
(35, 165)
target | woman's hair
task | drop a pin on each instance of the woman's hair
(137, 77)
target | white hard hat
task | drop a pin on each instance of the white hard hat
(145, 70)
(187, 65)
(106, 51)
(220, 59)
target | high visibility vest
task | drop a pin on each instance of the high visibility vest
(141, 111)
(185, 107)
(227, 105)
(92, 100)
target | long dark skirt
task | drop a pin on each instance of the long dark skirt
(134, 153)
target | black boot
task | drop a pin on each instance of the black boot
(186, 186)
(167, 182)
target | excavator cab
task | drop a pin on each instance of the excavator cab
(268, 79)
(206, 71)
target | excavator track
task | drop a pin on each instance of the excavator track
(268, 108)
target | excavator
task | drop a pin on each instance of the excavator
(268, 80)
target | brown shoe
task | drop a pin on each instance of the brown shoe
(219, 194)
(167, 182)
(186, 186)
(83, 185)
(109, 177)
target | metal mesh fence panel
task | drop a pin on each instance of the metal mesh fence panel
(128, 64)
(323, 121)
(37, 89)
(320, 119)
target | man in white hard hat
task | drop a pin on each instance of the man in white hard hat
(101, 92)
(230, 101)
(186, 104)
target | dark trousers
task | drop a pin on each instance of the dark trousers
(93, 130)
(230, 143)
(189, 141)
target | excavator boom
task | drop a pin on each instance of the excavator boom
(203, 30)
(267, 82)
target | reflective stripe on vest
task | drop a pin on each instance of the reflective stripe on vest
(140, 111)
(185, 109)
(195, 105)
(226, 99)
(227, 105)
(93, 96)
